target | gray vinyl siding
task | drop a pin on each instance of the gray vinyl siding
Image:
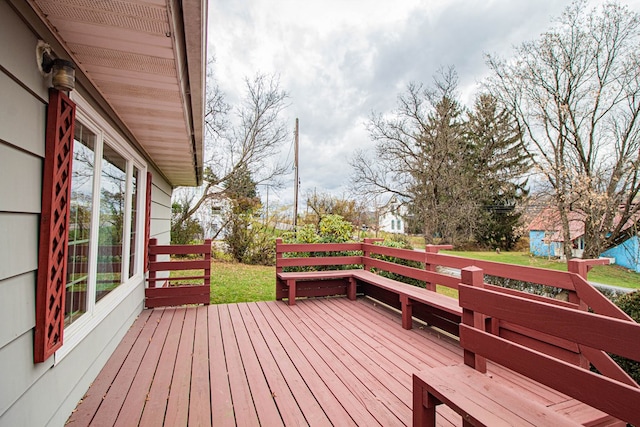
(160, 209)
(20, 173)
(41, 394)
(69, 380)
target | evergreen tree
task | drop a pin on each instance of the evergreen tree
(499, 161)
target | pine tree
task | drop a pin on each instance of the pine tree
(499, 162)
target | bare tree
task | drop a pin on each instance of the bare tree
(245, 138)
(575, 94)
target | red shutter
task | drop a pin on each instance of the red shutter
(54, 226)
(147, 223)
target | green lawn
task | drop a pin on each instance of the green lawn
(233, 282)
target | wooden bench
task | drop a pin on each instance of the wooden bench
(435, 309)
(485, 401)
(434, 306)
(310, 278)
(161, 291)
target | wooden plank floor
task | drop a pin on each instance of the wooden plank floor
(320, 362)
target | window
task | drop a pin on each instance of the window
(399, 225)
(80, 223)
(135, 179)
(104, 224)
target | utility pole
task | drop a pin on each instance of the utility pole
(296, 179)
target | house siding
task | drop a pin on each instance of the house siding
(44, 393)
(627, 254)
(538, 247)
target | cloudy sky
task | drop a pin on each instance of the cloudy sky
(340, 60)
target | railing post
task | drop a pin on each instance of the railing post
(581, 267)
(207, 257)
(366, 254)
(473, 276)
(432, 249)
(152, 259)
(278, 256)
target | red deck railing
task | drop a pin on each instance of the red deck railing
(162, 290)
(581, 295)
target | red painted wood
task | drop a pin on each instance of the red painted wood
(596, 301)
(318, 247)
(199, 399)
(222, 412)
(356, 356)
(283, 395)
(542, 276)
(263, 398)
(156, 400)
(147, 221)
(138, 393)
(317, 261)
(178, 265)
(532, 297)
(119, 388)
(181, 293)
(176, 279)
(292, 363)
(180, 249)
(604, 333)
(178, 404)
(481, 400)
(243, 404)
(412, 272)
(176, 296)
(321, 383)
(407, 254)
(304, 376)
(54, 226)
(612, 397)
(91, 401)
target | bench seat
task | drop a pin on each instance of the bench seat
(409, 294)
(291, 278)
(478, 398)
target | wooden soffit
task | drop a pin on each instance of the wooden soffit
(147, 60)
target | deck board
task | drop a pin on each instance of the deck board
(321, 362)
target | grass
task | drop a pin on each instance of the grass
(234, 282)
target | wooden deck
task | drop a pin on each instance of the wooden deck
(320, 362)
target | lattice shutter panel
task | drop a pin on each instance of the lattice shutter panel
(147, 222)
(54, 226)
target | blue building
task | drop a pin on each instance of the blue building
(546, 240)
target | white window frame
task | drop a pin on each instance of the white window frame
(96, 313)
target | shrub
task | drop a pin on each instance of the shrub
(630, 304)
(400, 242)
(332, 229)
(261, 249)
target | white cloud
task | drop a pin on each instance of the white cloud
(342, 59)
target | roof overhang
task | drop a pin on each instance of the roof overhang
(146, 62)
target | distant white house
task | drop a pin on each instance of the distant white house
(211, 215)
(392, 217)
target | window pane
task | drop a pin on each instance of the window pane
(79, 223)
(113, 179)
(134, 221)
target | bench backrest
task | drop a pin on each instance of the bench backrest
(594, 333)
(316, 255)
